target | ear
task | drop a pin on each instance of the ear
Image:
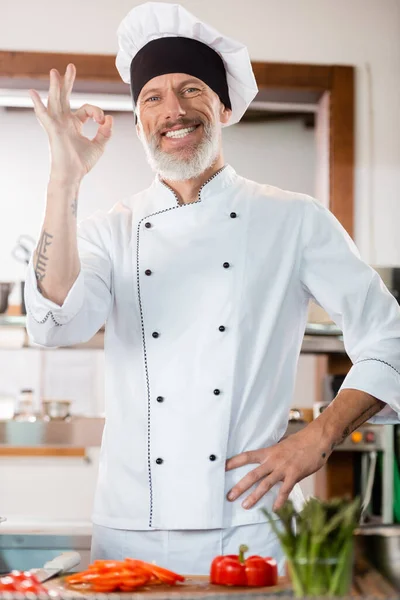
(225, 114)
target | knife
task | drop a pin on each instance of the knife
(62, 563)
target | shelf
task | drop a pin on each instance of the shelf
(12, 320)
(52, 437)
(320, 338)
(38, 451)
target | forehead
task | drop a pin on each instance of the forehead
(170, 80)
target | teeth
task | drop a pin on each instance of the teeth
(180, 133)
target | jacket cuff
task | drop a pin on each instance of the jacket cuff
(41, 308)
(379, 379)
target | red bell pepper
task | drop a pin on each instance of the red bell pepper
(235, 570)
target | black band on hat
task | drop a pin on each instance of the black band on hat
(179, 55)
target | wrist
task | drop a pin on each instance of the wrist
(67, 180)
(322, 433)
(57, 183)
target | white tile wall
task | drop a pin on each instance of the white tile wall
(61, 374)
(72, 375)
(20, 369)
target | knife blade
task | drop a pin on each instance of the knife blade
(62, 563)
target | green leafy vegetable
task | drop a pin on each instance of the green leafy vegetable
(318, 543)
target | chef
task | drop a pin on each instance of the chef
(203, 281)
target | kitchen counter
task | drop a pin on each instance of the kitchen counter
(55, 437)
(75, 432)
(368, 585)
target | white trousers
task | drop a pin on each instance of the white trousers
(188, 552)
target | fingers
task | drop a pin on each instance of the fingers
(245, 458)
(39, 107)
(88, 111)
(67, 85)
(104, 132)
(263, 487)
(266, 484)
(54, 99)
(59, 94)
(248, 481)
(283, 495)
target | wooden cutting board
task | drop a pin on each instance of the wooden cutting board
(195, 585)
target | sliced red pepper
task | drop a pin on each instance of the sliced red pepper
(132, 583)
(7, 584)
(24, 582)
(106, 565)
(108, 576)
(163, 575)
(104, 589)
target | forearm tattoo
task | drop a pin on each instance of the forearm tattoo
(41, 257)
(369, 412)
(74, 207)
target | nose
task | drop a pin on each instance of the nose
(173, 106)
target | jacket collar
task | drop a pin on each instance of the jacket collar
(214, 186)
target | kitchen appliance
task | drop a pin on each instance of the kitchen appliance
(296, 415)
(56, 409)
(380, 544)
(6, 288)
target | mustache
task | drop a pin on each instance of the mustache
(182, 121)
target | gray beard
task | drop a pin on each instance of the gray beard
(172, 167)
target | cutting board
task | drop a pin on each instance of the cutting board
(194, 586)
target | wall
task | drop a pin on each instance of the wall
(364, 33)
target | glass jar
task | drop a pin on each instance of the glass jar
(323, 576)
(25, 406)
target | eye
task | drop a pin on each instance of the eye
(191, 90)
(152, 98)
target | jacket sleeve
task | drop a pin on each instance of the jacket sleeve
(356, 299)
(89, 300)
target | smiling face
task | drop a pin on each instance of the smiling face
(179, 125)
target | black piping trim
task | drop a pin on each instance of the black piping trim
(146, 369)
(49, 314)
(198, 195)
(378, 360)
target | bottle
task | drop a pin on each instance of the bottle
(25, 407)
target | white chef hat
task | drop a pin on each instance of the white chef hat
(192, 47)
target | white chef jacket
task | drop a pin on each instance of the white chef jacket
(205, 307)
